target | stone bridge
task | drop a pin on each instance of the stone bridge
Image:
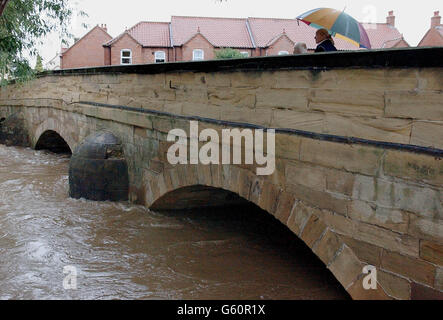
(358, 148)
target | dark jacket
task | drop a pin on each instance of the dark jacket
(326, 46)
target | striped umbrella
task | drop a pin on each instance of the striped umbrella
(339, 24)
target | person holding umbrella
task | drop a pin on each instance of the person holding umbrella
(324, 41)
(335, 23)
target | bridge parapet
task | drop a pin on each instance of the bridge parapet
(359, 175)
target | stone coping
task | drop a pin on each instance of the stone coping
(429, 57)
(307, 134)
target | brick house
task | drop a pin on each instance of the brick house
(434, 36)
(146, 42)
(87, 51)
(198, 38)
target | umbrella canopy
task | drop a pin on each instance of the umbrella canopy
(339, 24)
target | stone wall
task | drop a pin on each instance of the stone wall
(353, 204)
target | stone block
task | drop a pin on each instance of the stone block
(370, 128)
(306, 121)
(269, 197)
(425, 228)
(341, 182)
(318, 199)
(427, 134)
(366, 252)
(395, 220)
(338, 223)
(439, 279)
(313, 230)
(287, 146)
(286, 203)
(431, 79)
(293, 99)
(421, 292)
(353, 158)
(201, 109)
(421, 105)
(347, 102)
(299, 173)
(358, 292)
(422, 200)
(299, 217)
(326, 248)
(234, 97)
(413, 166)
(387, 239)
(409, 267)
(242, 114)
(346, 267)
(395, 286)
(432, 252)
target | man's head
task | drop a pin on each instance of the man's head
(321, 35)
(300, 47)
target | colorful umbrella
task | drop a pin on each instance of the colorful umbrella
(339, 24)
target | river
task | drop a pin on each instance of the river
(124, 251)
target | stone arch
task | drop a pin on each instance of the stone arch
(301, 219)
(52, 124)
(52, 141)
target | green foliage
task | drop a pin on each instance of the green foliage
(39, 65)
(228, 53)
(23, 26)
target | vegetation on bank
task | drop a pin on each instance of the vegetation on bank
(24, 24)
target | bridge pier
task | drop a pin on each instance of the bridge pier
(98, 169)
(13, 132)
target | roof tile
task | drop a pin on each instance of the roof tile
(221, 32)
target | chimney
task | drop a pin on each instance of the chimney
(104, 27)
(390, 20)
(436, 19)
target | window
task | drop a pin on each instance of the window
(283, 53)
(198, 54)
(245, 54)
(126, 56)
(160, 56)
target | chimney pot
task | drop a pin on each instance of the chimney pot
(436, 19)
(390, 20)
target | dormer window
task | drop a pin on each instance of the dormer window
(160, 56)
(126, 56)
(198, 55)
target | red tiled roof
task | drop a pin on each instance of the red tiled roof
(148, 34)
(151, 34)
(220, 32)
(392, 43)
(236, 32)
(265, 29)
(380, 33)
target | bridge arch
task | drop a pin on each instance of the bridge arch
(52, 128)
(52, 141)
(188, 186)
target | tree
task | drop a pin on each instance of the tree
(2, 5)
(39, 64)
(228, 53)
(23, 26)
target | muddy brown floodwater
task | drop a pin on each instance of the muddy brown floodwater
(124, 251)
